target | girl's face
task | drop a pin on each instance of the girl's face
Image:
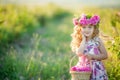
(87, 30)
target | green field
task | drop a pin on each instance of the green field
(35, 42)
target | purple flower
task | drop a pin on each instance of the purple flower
(96, 50)
(89, 48)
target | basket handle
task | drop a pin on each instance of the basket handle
(76, 56)
(72, 60)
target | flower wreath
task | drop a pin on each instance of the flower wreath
(86, 19)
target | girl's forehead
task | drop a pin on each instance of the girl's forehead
(88, 26)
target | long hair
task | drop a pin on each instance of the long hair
(77, 36)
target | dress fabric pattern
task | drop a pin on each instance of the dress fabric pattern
(97, 67)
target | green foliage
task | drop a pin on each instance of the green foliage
(47, 56)
(14, 22)
(113, 62)
(115, 45)
(32, 64)
(89, 16)
(19, 20)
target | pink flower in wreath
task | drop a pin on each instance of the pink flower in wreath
(75, 21)
(83, 20)
(94, 20)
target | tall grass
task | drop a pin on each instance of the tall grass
(45, 60)
(47, 53)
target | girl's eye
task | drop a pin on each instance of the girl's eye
(90, 27)
(83, 27)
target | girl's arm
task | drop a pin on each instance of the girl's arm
(103, 53)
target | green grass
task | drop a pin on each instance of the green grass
(46, 54)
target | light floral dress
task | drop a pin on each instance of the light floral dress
(98, 70)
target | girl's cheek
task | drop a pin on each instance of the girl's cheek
(82, 32)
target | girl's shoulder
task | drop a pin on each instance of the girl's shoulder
(97, 41)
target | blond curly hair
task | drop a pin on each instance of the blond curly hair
(77, 36)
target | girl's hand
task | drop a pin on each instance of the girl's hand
(83, 36)
(82, 46)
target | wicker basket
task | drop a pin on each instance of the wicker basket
(83, 75)
(80, 75)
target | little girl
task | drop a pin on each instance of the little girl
(88, 46)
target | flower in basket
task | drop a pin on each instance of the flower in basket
(79, 69)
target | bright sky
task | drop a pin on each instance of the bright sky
(67, 2)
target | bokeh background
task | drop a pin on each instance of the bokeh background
(35, 37)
